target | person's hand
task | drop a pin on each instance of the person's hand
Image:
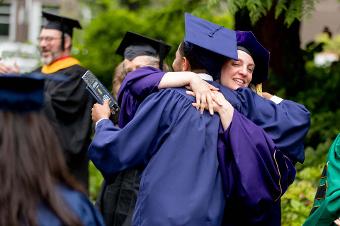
(221, 106)
(266, 95)
(203, 92)
(101, 111)
(337, 222)
(6, 69)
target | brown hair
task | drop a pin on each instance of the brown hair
(118, 78)
(31, 167)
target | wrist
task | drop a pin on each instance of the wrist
(98, 121)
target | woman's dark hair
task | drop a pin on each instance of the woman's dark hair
(202, 59)
(31, 168)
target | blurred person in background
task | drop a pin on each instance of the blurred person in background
(67, 102)
(117, 197)
(37, 188)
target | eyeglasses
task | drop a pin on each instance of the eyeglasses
(47, 38)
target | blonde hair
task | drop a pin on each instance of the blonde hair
(127, 66)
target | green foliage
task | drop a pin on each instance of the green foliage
(104, 33)
(96, 180)
(101, 39)
(298, 200)
(292, 10)
(321, 97)
(330, 44)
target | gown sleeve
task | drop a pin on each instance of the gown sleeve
(114, 149)
(136, 86)
(286, 123)
(255, 173)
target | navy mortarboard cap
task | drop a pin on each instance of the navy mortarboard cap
(60, 23)
(210, 36)
(21, 93)
(246, 41)
(134, 45)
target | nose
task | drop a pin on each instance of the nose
(43, 43)
(243, 71)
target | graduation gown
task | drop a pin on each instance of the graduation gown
(255, 174)
(326, 206)
(68, 107)
(287, 123)
(180, 183)
(78, 204)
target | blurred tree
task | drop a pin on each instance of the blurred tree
(161, 20)
(134, 4)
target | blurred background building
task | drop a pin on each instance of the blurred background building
(20, 22)
(326, 15)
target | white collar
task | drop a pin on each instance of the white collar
(205, 76)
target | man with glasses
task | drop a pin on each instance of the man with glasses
(68, 104)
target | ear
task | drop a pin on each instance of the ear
(185, 64)
(68, 42)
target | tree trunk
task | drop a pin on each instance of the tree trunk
(286, 60)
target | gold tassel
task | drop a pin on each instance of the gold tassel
(258, 89)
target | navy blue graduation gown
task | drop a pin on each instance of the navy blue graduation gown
(181, 183)
(78, 204)
(286, 123)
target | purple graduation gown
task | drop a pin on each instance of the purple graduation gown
(255, 174)
(286, 123)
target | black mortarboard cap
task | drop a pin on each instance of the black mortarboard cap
(21, 93)
(134, 45)
(260, 55)
(210, 36)
(60, 23)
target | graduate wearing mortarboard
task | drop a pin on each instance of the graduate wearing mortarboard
(177, 147)
(37, 188)
(117, 198)
(68, 103)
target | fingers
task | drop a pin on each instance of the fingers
(190, 93)
(198, 101)
(3, 69)
(106, 103)
(337, 221)
(100, 111)
(217, 99)
(203, 104)
(210, 104)
(188, 88)
(203, 101)
(8, 69)
(213, 88)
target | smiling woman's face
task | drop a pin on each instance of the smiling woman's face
(238, 73)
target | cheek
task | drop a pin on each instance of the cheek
(249, 78)
(225, 74)
(175, 65)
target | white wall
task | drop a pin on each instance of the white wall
(327, 13)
